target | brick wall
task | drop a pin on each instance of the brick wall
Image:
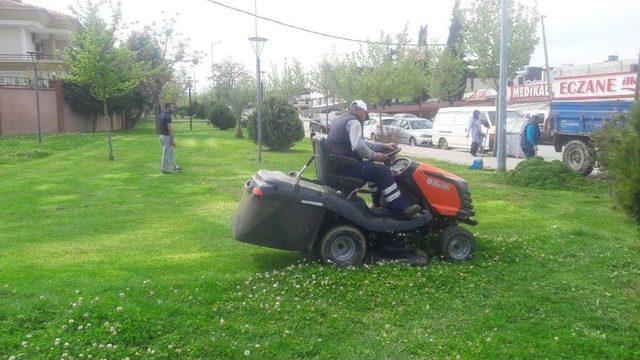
(18, 113)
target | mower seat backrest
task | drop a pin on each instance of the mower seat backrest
(326, 168)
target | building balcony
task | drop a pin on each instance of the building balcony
(27, 58)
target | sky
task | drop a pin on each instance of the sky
(578, 31)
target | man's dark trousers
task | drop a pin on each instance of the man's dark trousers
(385, 185)
(529, 152)
(474, 148)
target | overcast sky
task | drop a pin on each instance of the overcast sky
(578, 31)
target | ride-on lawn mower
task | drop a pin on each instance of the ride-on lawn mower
(286, 211)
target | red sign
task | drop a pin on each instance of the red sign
(602, 86)
(534, 91)
(584, 87)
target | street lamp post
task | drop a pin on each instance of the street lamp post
(34, 56)
(501, 133)
(258, 45)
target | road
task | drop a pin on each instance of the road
(463, 157)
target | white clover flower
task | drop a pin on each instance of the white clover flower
(121, 294)
(119, 309)
(12, 357)
(247, 352)
(66, 344)
(28, 336)
(221, 321)
(24, 344)
(64, 327)
(71, 321)
(109, 346)
(80, 328)
(101, 346)
(56, 342)
(77, 292)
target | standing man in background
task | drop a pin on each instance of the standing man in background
(165, 132)
(530, 136)
(475, 130)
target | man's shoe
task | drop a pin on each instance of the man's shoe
(177, 168)
(411, 211)
(166, 172)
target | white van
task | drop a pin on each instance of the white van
(450, 125)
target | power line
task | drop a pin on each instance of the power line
(313, 31)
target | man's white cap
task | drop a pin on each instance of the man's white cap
(360, 104)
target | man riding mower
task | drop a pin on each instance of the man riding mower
(411, 201)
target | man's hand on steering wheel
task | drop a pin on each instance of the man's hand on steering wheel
(390, 146)
(380, 157)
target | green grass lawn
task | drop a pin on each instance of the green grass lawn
(111, 260)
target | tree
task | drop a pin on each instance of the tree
(290, 83)
(482, 37)
(391, 71)
(233, 86)
(94, 60)
(455, 43)
(221, 117)
(324, 79)
(174, 91)
(281, 126)
(80, 99)
(618, 145)
(447, 78)
(161, 49)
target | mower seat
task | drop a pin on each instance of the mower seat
(326, 165)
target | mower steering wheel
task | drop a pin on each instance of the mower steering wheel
(394, 152)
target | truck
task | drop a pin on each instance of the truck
(570, 124)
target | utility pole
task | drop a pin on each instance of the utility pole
(34, 55)
(502, 95)
(546, 63)
(190, 110)
(258, 45)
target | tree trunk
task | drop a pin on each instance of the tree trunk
(108, 123)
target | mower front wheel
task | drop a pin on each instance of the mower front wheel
(456, 244)
(343, 246)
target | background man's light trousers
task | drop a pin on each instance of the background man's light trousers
(168, 155)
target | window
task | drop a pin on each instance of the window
(421, 124)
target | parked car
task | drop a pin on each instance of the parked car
(450, 126)
(414, 131)
(405, 116)
(373, 126)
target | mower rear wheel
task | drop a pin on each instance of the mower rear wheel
(343, 245)
(456, 244)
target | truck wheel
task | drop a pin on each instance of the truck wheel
(343, 246)
(456, 244)
(443, 144)
(578, 156)
(413, 142)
